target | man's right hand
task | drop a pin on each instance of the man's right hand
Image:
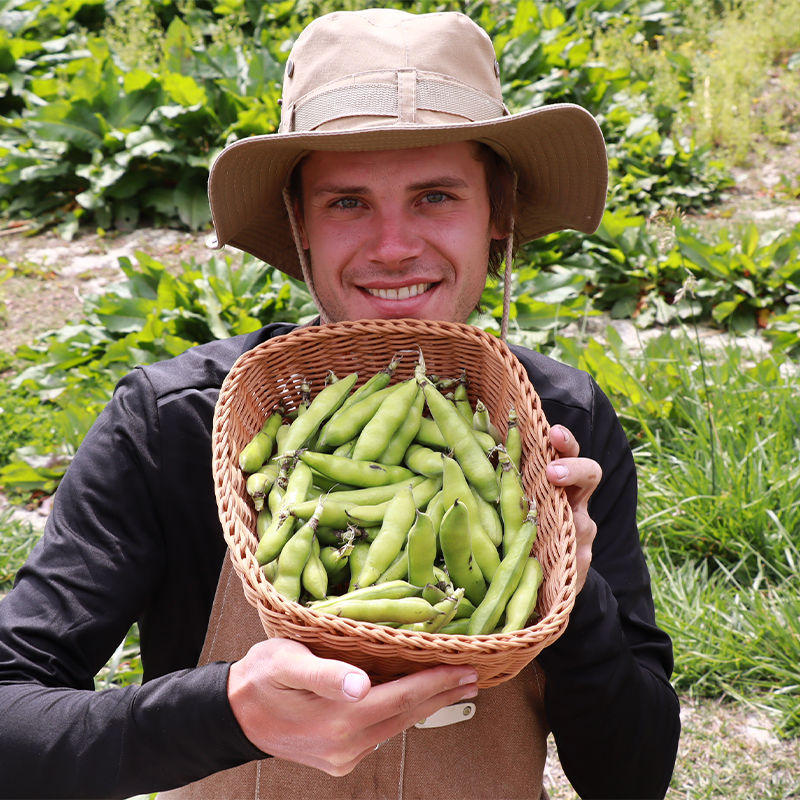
(325, 713)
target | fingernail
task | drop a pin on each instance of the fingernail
(353, 684)
(471, 678)
(470, 694)
(560, 471)
(564, 433)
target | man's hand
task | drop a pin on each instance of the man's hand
(324, 713)
(579, 476)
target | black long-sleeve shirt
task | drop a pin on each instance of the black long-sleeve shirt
(134, 535)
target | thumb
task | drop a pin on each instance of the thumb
(325, 677)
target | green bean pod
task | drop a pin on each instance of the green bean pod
(522, 603)
(357, 559)
(380, 380)
(458, 434)
(371, 515)
(260, 483)
(328, 536)
(375, 436)
(505, 581)
(263, 521)
(490, 519)
(293, 558)
(374, 495)
(514, 440)
(455, 487)
(392, 590)
(423, 460)
(514, 505)
(406, 609)
(322, 406)
(258, 449)
(334, 514)
(280, 436)
(447, 610)
(429, 435)
(324, 484)
(270, 569)
(482, 422)
(345, 450)
(396, 571)
(421, 550)
(297, 489)
(443, 579)
(456, 627)
(314, 578)
(454, 537)
(435, 510)
(434, 594)
(352, 471)
(465, 610)
(335, 561)
(399, 517)
(340, 501)
(461, 399)
(349, 424)
(275, 537)
(404, 435)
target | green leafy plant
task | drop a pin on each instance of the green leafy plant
(107, 129)
(150, 316)
(735, 636)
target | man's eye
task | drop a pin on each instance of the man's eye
(347, 202)
(435, 197)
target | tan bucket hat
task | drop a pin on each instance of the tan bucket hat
(383, 79)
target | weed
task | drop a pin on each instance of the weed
(17, 539)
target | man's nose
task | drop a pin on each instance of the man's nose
(395, 238)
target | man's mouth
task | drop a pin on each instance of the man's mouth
(403, 293)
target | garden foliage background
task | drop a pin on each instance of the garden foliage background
(111, 113)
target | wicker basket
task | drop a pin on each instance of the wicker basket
(272, 373)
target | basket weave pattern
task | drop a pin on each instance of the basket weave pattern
(272, 373)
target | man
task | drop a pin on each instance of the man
(385, 191)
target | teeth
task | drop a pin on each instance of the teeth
(403, 293)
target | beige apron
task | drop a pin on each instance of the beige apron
(498, 754)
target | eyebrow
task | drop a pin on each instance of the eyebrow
(440, 182)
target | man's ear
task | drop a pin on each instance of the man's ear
(495, 234)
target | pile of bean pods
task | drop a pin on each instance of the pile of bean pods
(398, 504)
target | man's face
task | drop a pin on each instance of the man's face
(396, 233)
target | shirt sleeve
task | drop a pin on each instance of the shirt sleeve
(100, 562)
(612, 710)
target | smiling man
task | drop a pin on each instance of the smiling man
(397, 181)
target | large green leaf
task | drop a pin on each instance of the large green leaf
(63, 121)
(191, 201)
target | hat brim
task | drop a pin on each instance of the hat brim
(557, 151)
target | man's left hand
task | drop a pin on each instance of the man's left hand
(579, 476)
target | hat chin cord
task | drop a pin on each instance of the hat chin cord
(305, 266)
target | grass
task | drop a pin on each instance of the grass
(728, 72)
(720, 468)
(17, 539)
(733, 637)
(727, 752)
(716, 437)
